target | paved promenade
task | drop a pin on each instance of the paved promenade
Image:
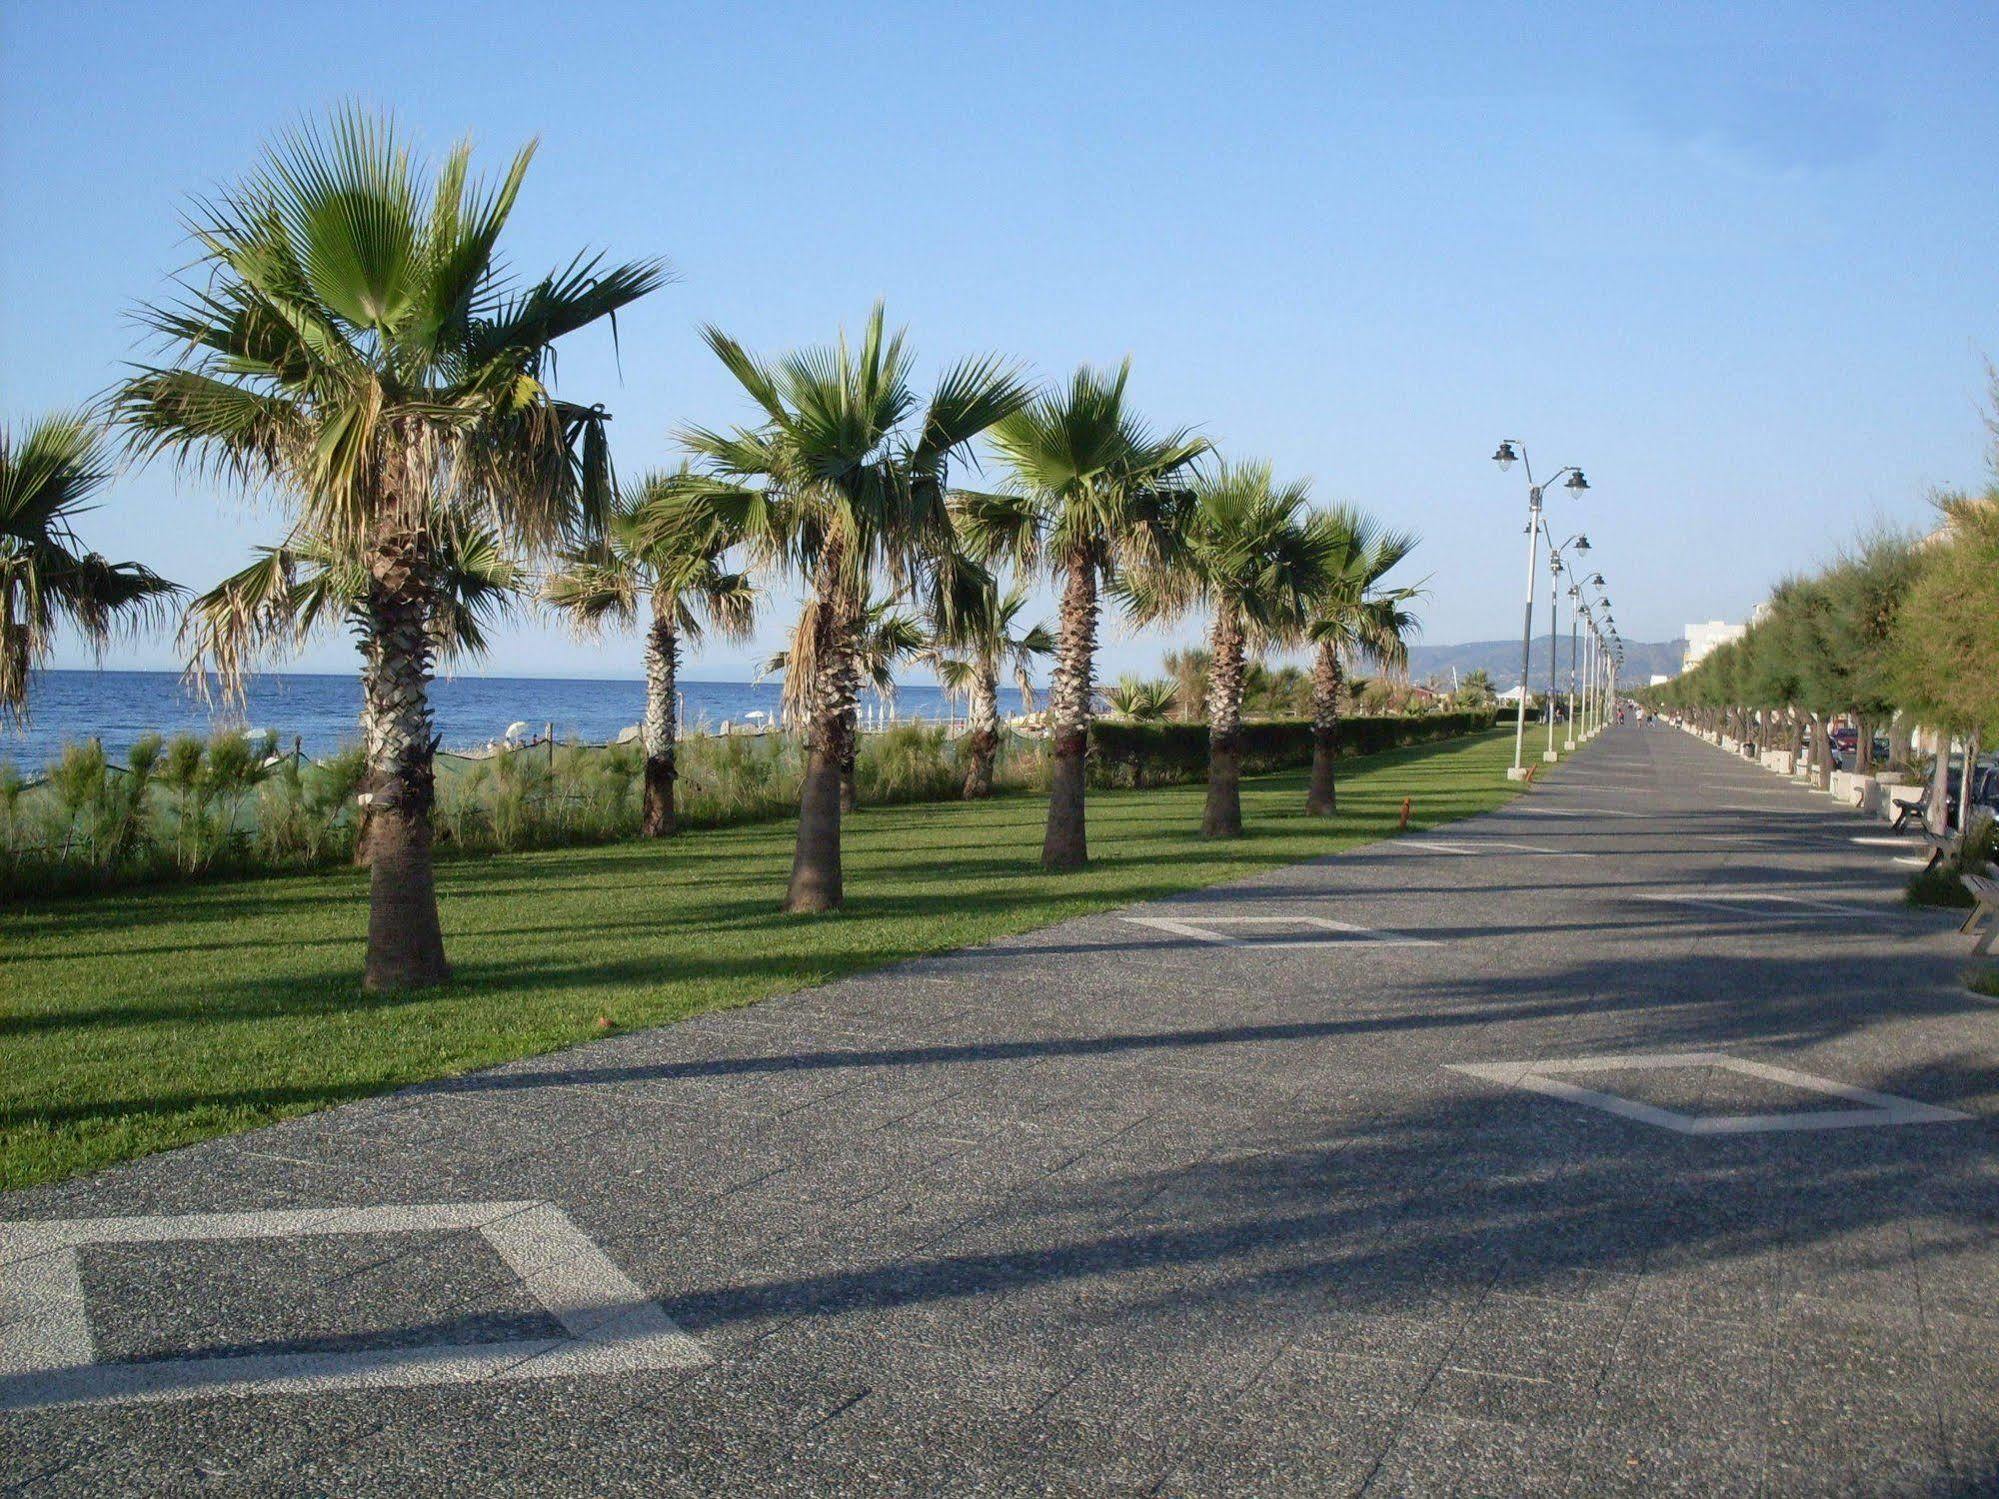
(1634, 1138)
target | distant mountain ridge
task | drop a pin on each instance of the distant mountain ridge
(1500, 659)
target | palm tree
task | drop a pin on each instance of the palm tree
(1354, 619)
(667, 546)
(1142, 701)
(46, 475)
(1253, 560)
(884, 637)
(290, 593)
(1097, 492)
(357, 346)
(970, 649)
(843, 480)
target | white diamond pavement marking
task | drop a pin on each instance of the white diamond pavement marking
(1326, 931)
(47, 1351)
(1880, 1108)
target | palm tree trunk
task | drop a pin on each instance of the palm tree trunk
(364, 811)
(1222, 817)
(982, 734)
(661, 730)
(16, 652)
(850, 759)
(815, 867)
(1066, 844)
(405, 940)
(1322, 797)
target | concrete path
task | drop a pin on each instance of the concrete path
(1315, 1183)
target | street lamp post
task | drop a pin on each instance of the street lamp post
(1507, 453)
(1594, 713)
(1590, 714)
(1575, 643)
(1595, 660)
(1588, 636)
(1554, 648)
(1581, 543)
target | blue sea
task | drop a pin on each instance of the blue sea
(322, 712)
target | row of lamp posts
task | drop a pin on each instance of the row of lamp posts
(1595, 649)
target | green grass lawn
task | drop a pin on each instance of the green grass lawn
(153, 1018)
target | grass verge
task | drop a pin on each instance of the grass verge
(139, 1021)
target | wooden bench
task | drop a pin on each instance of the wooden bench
(1919, 809)
(1985, 889)
(1942, 846)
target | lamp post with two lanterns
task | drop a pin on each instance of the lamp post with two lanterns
(1510, 451)
(1593, 654)
(1581, 544)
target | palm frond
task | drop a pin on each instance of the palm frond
(351, 345)
(48, 474)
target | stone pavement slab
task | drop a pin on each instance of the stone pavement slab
(1251, 1191)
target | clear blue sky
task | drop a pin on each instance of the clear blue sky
(1735, 260)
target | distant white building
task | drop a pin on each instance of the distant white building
(1702, 639)
(1658, 677)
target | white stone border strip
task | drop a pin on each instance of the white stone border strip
(1203, 931)
(1485, 845)
(1879, 1108)
(47, 1350)
(1545, 811)
(1733, 901)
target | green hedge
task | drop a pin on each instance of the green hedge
(1149, 754)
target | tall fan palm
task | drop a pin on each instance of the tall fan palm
(1097, 492)
(666, 545)
(1354, 619)
(357, 346)
(47, 474)
(842, 481)
(970, 649)
(1252, 558)
(884, 637)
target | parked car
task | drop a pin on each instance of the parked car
(1984, 788)
(1842, 754)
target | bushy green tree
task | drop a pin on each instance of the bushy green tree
(1943, 657)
